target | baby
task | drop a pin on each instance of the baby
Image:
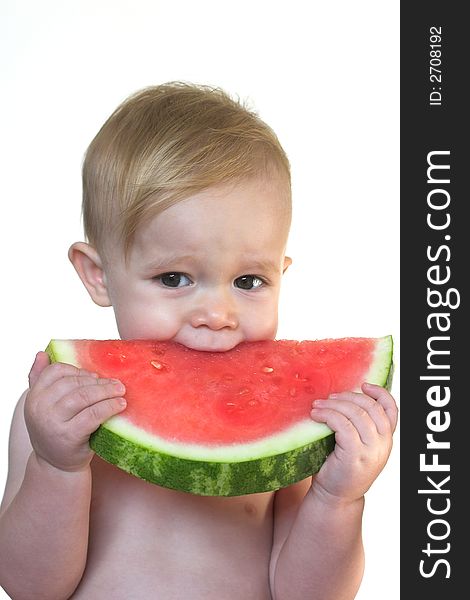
(187, 209)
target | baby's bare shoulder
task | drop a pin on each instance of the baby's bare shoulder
(19, 450)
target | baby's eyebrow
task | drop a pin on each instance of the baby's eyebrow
(168, 261)
(245, 265)
(261, 266)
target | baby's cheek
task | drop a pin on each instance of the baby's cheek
(260, 325)
(147, 323)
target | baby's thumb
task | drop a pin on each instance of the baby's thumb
(40, 363)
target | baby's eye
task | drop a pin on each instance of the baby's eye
(174, 280)
(248, 282)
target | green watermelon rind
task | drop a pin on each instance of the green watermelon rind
(381, 371)
(272, 463)
(211, 478)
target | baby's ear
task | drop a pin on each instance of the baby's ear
(89, 267)
(287, 263)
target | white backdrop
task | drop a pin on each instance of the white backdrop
(324, 75)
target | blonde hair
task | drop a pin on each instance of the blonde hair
(165, 143)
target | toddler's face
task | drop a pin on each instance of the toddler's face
(205, 272)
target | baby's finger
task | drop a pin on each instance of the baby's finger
(57, 371)
(346, 435)
(41, 361)
(83, 396)
(88, 420)
(373, 408)
(355, 413)
(65, 386)
(385, 399)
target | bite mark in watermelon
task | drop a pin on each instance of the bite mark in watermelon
(224, 423)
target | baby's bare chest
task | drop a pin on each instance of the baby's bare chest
(148, 542)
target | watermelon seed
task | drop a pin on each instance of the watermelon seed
(159, 366)
(121, 356)
(252, 402)
(243, 391)
(268, 369)
(292, 392)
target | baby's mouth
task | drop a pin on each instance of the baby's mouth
(214, 348)
(207, 340)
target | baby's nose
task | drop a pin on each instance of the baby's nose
(216, 310)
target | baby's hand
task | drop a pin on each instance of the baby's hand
(363, 426)
(64, 405)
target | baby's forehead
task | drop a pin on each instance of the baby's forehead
(247, 218)
(225, 206)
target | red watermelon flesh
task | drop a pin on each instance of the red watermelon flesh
(247, 393)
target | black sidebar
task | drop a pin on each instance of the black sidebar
(435, 320)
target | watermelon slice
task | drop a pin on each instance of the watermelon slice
(224, 423)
